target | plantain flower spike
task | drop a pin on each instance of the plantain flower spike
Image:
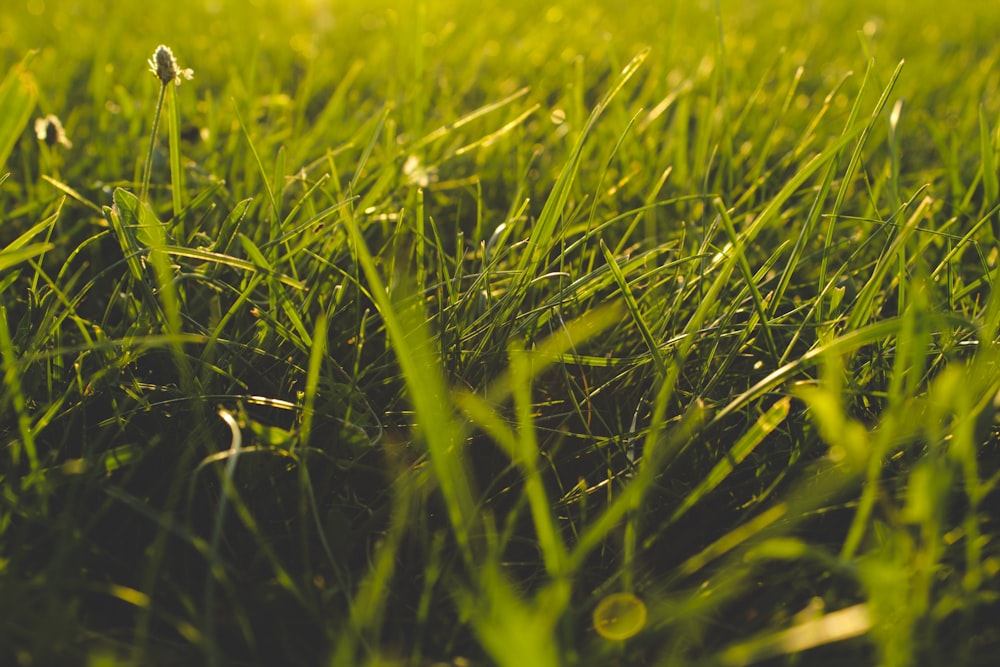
(164, 66)
(50, 130)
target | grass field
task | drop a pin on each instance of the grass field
(471, 333)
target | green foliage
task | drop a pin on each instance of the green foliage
(18, 94)
(494, 333)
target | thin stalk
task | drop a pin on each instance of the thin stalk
(147, 172)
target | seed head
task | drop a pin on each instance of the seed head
(164, 66)
(50, 130)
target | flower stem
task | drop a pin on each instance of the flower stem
(147, 172)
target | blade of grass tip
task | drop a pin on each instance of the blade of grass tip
(64, 188)
(852, 168)
(369, 147)
(420, 241)
(167, 289)
(138, 231)
(469, 117)
(18, 95)
(176, 170)
(257, 160)
(231, 226)
(603, 174)
(543, 232)
(233, 454)
(863, 311)
(748, 277)
(124, 219)
(633, 309)
(494, 136)
(9, 257)
(426, 390)
(316, 355)
(894, 155)
(816, 207)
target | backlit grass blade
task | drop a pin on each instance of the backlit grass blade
(748, 277)
(544, 231)
(316, 355)
(850, 341)
(633, 309)
(18, 92)
(443, 131)
(862, 312)
(12, 257)
(991, 181)
(863, 131)
(809, 633)
(262, 172)
(176, 169)
(765, 425)
(260, 264)
(406, 328)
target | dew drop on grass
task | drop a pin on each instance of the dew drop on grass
(619, 616)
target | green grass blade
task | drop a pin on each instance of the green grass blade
(177, 190)
(633, 309)
(543, 232)
(18, 93)
(991, 182)
(260, 165)
(407, 329)
(764, 426)
(14, 393)
(748, 277)
(12, 257)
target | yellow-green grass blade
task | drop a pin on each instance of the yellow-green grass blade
(18, 93)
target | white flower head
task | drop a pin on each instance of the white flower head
(164, 66)
(50, 131)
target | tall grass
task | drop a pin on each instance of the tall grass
(464, 333)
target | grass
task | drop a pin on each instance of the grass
(490, 333)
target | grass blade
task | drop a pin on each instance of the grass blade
(18, 92)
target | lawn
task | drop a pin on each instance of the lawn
(475, 333)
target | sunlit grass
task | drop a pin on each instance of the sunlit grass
(497, 333)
